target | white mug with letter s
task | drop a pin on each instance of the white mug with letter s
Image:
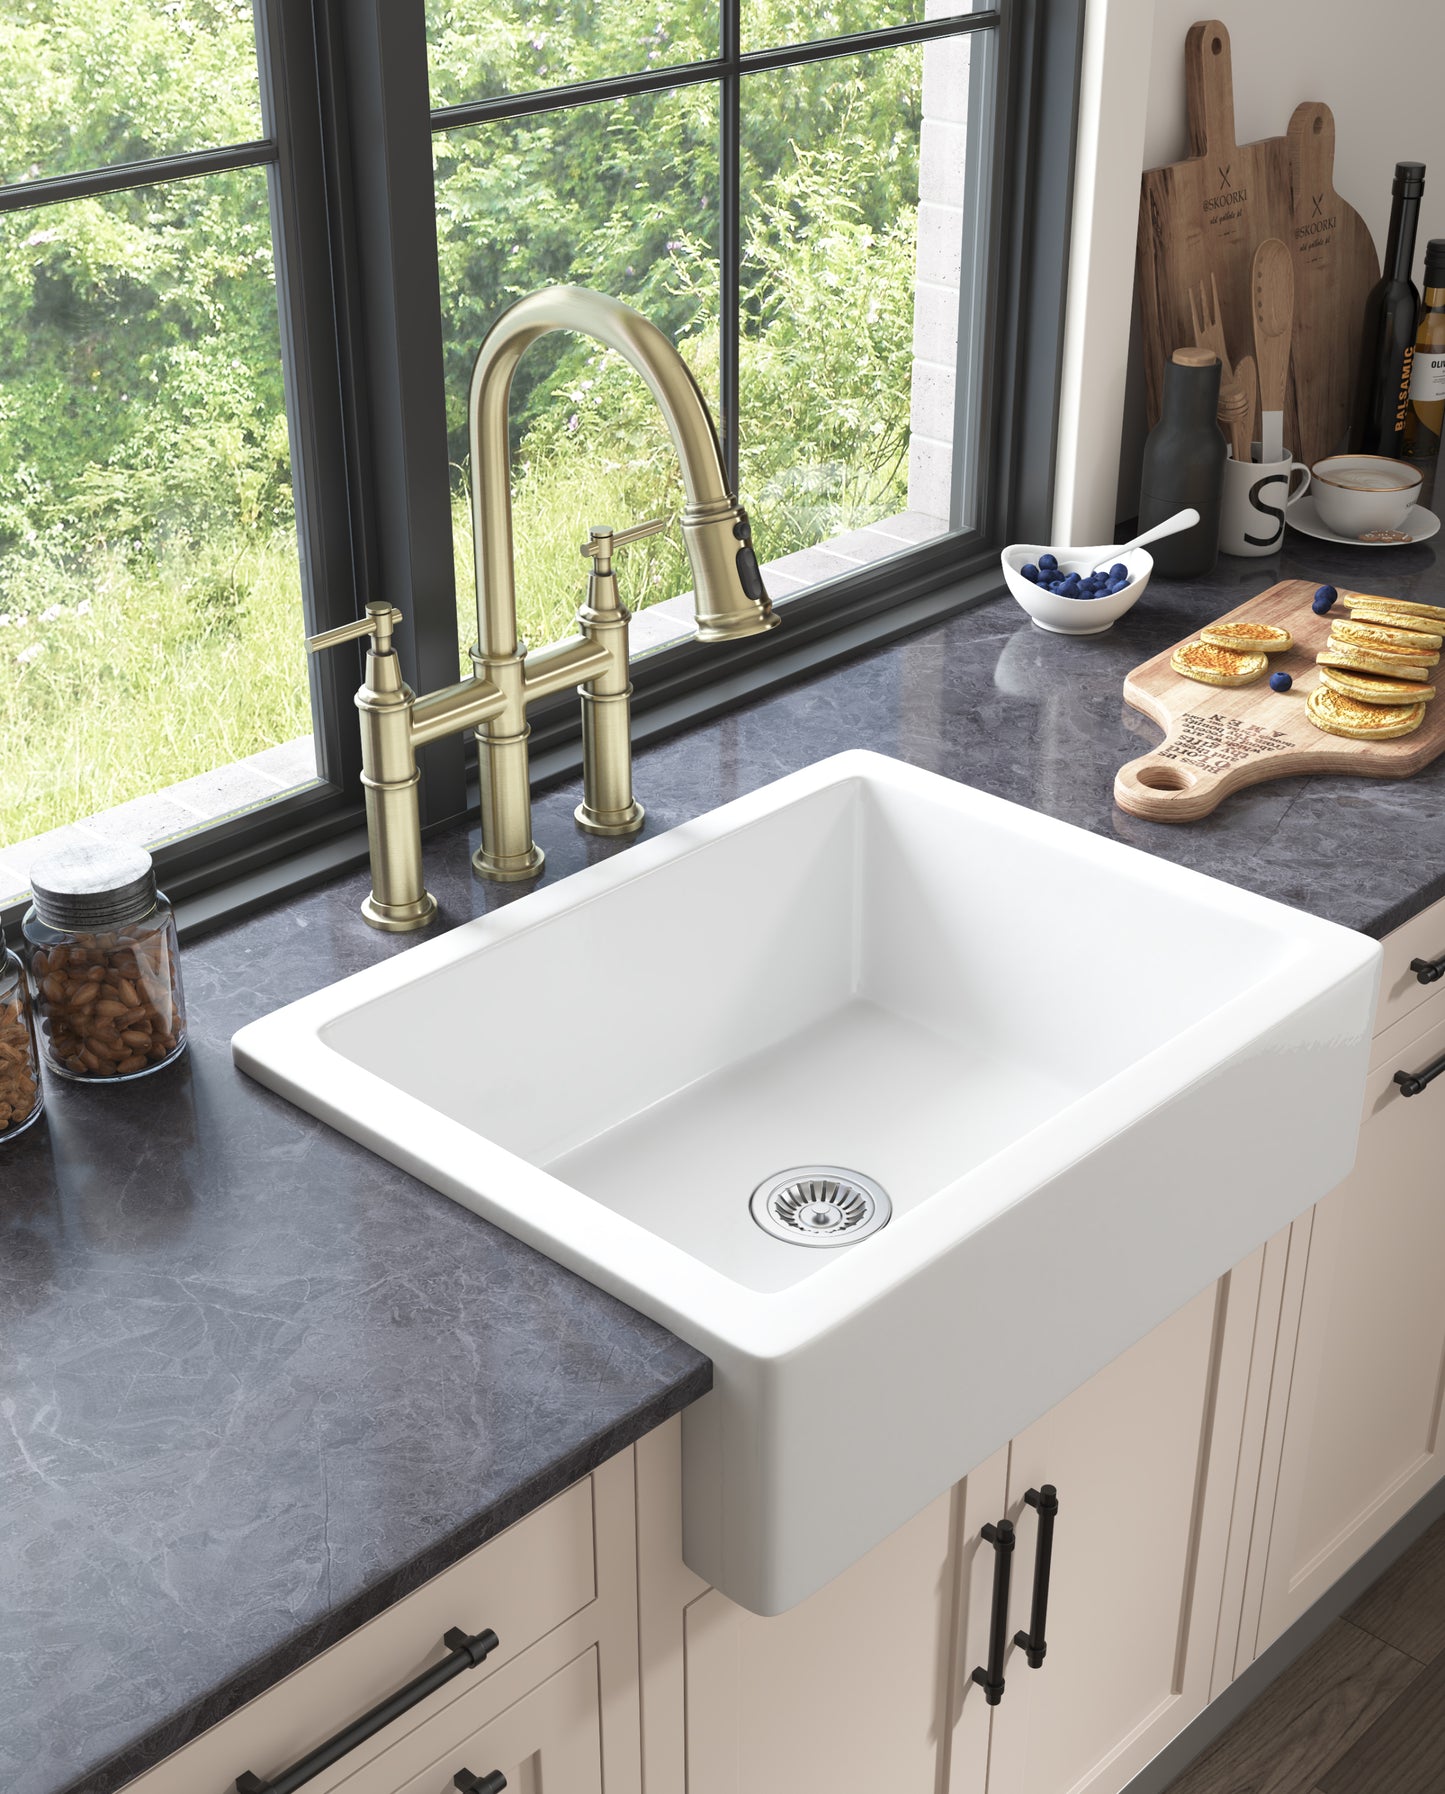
(1251, 519)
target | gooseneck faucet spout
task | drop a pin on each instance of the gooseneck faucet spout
(729, 599)
(728, 592)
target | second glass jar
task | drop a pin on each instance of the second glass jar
(21, 1099)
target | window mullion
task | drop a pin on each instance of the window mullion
(392, 374)
(286, 55)
(730, 234)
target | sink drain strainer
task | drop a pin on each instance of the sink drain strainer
(820, 1205)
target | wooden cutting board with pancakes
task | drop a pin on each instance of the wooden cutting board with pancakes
(1220, 739)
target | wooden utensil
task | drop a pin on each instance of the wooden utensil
(1218, 740)
(1204, 216)
(1234, 412)
(1273, 300)
(1335, 266)
(1246, 379)
(1209, 329)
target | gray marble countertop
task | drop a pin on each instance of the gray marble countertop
(255, 1383)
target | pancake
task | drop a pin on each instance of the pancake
(1433, 614)
(1375, 635)
(1248, 637)
(1209, 665)
(1401, 620)
(1336, 714)
(1359, 660)
(1368, 689)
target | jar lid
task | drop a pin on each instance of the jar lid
(93, 885)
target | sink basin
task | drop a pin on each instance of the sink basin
(1086, 1081)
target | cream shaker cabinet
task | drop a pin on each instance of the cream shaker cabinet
(870, 1683)
(1141, 1460)
(552, 1705)
(1361, 1438)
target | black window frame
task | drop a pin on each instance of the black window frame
(346, 106)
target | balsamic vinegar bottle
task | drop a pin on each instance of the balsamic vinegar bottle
(1184, 460)
(1427, 378)
(1387, 348)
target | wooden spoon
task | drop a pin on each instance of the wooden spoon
(1273, 304)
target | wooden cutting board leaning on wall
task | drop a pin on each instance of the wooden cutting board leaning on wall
(1206, 216)
(1335, 266)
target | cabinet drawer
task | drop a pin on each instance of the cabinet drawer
(1395, 1045)
(1422, 937)
(549, 1738)
(521, 1584)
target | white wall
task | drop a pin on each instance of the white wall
(1380, 68)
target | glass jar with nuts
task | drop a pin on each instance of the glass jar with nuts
(105, 976)
(20, 1095)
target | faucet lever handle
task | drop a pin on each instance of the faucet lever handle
(379, 621)
(601, 542)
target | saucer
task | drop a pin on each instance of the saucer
(1419, 525)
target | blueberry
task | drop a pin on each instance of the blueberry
(1115, 585)
(1030, 572)
(1048, 562)
(1323, 599)
(1280, 682)
(1119, 571)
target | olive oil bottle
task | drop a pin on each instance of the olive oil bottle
(1427, 373)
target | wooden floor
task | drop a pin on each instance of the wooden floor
(1362, 1711)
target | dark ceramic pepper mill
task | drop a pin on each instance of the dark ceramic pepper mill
(1184, 465)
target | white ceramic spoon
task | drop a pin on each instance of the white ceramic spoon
(1171, 526)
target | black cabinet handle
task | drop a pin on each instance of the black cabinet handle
(990, 1680)
(492, 1783)
(1413, 1082)
(1428, 971)
(463, 1653)
(1032, 1643)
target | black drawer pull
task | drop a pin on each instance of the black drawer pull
(464, 1653)
(492, 1783)
(1033, 1643)
(1428, 971)
(990, 1680)
(1413, 1082)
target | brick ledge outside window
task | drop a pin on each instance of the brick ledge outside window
(210, 797)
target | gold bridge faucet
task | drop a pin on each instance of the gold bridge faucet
(728, 595)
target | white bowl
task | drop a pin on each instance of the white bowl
(1075, 616)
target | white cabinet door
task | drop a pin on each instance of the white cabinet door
(846, 1694)
(1143, 1459)
(1362, 1430)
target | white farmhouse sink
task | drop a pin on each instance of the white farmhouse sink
(1089, 1081)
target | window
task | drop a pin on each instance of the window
(792, 210)
(246, 258)
(150, 588)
